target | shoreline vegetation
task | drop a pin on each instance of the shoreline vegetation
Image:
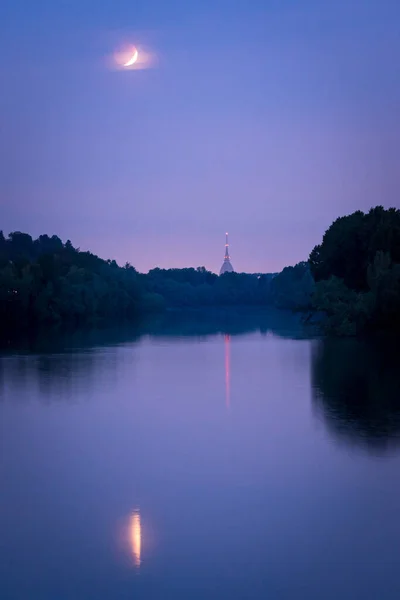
(350, 285)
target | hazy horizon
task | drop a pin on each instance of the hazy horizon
(267, 120)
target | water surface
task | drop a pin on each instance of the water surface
(203, 459)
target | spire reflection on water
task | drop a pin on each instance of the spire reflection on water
(135, 536)
(227, 342)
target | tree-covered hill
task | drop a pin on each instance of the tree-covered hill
(44, 281)
(357, 273)
(352, 277)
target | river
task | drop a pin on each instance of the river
(199, 459)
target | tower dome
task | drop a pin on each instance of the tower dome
(226, 265)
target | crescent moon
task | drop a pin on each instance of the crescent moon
(132, 60)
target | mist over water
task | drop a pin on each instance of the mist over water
(201, 456)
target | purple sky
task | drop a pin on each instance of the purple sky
(267, 119)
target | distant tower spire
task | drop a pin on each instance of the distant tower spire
(227, 257)
(226, 265)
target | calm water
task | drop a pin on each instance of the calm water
(236, 460)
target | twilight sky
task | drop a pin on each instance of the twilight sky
(267, 119)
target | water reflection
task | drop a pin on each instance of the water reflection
(59, 366)
(232, 321)
(356, 391)
(181, 323)
(203, 479)
(227, 342)
(135, 536)
(58, 377)
(53, 340)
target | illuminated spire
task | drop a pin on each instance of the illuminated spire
(227, 257)
(226, 265)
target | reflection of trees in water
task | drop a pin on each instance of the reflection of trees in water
(57, 376)
(179, 323)
(56, 366)
(58, 340)
(356, 388)
(230, 321)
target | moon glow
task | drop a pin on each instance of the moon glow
(136, 537)
(130, 57)
(133, 59)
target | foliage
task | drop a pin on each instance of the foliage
(292, 288)
(185, 288)
(351, 244)
(357, 273)
(352, 277)
(44, 281)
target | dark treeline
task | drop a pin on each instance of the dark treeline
(357, 273)
(184, 288)
(352, 278)
(46, 282)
